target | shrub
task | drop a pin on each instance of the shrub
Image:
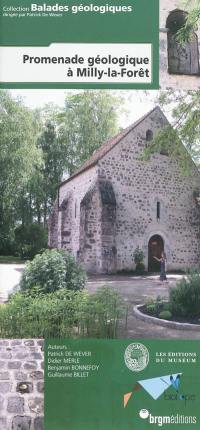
(157, 306)
(139, 260)
(140, 267)
(105, 308)
(166, 307)
(75, 276)
(159, 303)
(30, 240)
(138, 255)
(165, 315)
(62, 313)
(151, 308)
(51, 271)
(185, 297)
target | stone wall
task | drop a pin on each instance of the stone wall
(138, 186)
(97, 231)
(90, 230)
(76, 189)
(53, 227)
(108, 227)
(21, 384)
(167, 80)
(65, 218)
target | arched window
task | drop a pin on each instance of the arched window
(149, 135)
(183, 57)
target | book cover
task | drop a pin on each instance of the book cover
(99, 215)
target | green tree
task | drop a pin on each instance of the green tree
(50, 173)
(89, 118)
(18, 158)
(38, 146)
(182, 136)
(191, 22)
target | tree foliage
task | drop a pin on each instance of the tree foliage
(180, 138)
(51, 271)
(18, 159)
(38, 147)
(89, 118)
(191, 22)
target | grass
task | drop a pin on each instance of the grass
(10, 259)
(62, 313)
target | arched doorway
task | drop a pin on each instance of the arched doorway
(155, 247)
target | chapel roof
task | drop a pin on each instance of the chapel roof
(108, 145)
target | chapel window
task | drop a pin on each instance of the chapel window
(75, 209)
(158, 210)
(149, 135)
(183, 56)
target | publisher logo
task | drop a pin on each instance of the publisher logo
(155, 387)
(160, 420)
(136, 357)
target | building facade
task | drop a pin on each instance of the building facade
(117, 201)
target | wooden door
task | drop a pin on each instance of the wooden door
(156, 246)
(183, 59)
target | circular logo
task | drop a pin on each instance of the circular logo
(136, 357)
(144, 414)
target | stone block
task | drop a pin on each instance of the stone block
(5, 387)
(21, 355)
(40, 342)
(21, 423)
(4, 376)
(36, 405)
(40, 387)
(29, 342)
(4, 342)
(20, 376)
(14, 364)
(15, 405)
(16, 342)
(36, 356)
(5, 355)
(39, 423)
(24, 387)
(30, 365)
(37, 375)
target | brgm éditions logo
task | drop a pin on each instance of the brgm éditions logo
(155, 387)
(136, 357)
(160, 420)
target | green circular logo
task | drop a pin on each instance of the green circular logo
(136, 357)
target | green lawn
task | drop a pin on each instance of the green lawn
(9, 259)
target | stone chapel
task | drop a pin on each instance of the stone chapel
(116, 202)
